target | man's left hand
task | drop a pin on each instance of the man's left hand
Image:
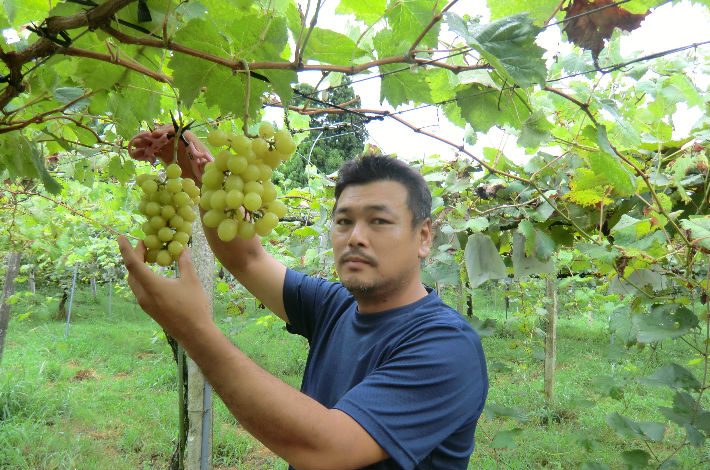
(179, 305)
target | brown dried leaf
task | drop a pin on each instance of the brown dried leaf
(590, 30)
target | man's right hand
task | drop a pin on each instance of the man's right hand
(159, 143)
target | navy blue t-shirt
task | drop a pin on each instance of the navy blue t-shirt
(413, 377)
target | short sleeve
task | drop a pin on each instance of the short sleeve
(306, 298)
(433, 385)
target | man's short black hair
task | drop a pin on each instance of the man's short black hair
(372, 168)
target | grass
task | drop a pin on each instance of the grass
(106, 396)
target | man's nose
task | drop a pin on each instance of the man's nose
(358, 235)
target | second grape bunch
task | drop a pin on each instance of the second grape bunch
(238, 196)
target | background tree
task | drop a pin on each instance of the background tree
(333, 139)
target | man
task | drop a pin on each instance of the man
(395, 379)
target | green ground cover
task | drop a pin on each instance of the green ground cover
(105, 397)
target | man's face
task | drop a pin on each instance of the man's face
(376, 249)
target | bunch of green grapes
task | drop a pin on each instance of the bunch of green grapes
(237, 193)
(167, 204)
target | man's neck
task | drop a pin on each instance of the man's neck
(383, 301)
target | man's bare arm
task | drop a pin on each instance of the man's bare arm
(293, 425)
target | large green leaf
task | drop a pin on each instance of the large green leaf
(400, 85)
(408, 18)
(329, 47)
(22, 158)
(539, 10)
(699, 226)
(674, 376)
(536, 130)
(483, 261)
(608, 164)
(484, 107)
(664, 322)
(508, 45)
(630, 429)
(20, 12)
(368, 11)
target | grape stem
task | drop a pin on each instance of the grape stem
(247, 97)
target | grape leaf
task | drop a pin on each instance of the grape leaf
(399, 86)
(536, 130)
(539, 10)
(508, 45)
(699, 226)
(329, 47)
(368, 11)
(20, 12)
(408, 18)
(483, 107)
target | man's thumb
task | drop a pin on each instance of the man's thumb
(187, 270)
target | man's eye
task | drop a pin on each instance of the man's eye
(341, 221)
(380, 221)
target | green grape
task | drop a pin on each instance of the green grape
(212, 218)
(260, 147)
(186, 213)
(167, 211)
(181, 199)
(209, 166)
(181, 237)
(149, 186)
(173, 171)
(266, 172)
(266, 224)
(221, 160)
(157, 222)
(151, 256)
(148, 229)
(272, 158)
(284, 142)
(176, 221)
(175, 248)
(227, 230)
(234, 199)
(241, 144)
(192, 191)
(246, 230)
(218, 200)
(142, 178)
(269, 193)
(233, 182)
(205, 199)
(151, 209)
(217, 138)
(278, 208)
(164, 258)
(164, 197)
(152, 242)
(254, 187)
(212, 179)
(266, 130)
(173, 186)
(165, 234)
(252, 201)
(251, 173)
(186, 228)
(237, 164)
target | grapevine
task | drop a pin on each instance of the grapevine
(167, 205)
(238, 196)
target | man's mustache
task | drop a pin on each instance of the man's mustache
(357, 254)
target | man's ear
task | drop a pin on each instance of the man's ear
(426, 238)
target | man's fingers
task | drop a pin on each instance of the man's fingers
(133, 258)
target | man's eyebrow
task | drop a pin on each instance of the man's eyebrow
(369, 208)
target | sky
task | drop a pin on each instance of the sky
(668, 27)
